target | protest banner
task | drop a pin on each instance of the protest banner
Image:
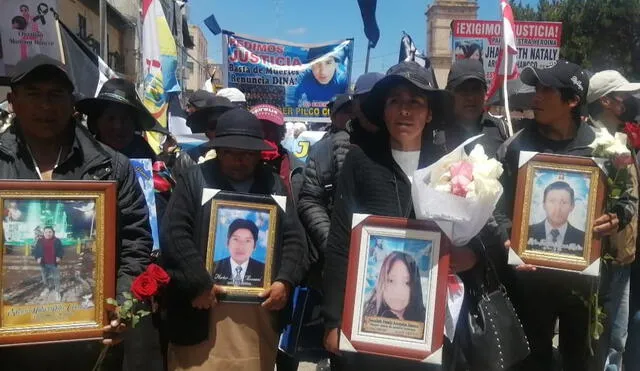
(300, 79)
(538, 43)
(27, 28)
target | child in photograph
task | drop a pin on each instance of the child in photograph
(398, 291)
(48, 253)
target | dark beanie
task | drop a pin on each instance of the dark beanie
(243, 224)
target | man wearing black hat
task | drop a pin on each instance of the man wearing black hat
(46, 143)
(467, 83)
(542, 297)
(238, 167)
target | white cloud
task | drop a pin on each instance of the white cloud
(297, 31)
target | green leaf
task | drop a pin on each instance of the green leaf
(127, 305)
(143, 313)
(616, 192)
(127, 295)
(135, 321)
(112, 301)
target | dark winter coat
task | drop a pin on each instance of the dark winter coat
(184, 237)
(320, 180)
(90, 161)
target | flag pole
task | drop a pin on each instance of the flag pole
(366, 63)
(505, 90)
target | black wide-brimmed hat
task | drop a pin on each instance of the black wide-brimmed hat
(239, 129)
(409, 72)
(214, 106)
(123, 92)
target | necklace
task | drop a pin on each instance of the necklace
(35, 163)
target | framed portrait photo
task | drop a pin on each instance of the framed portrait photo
(557, 200)
(57, 260)
(395, 297)
(243, 233)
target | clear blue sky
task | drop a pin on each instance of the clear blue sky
(313, 21)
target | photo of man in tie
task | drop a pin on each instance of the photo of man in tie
(239, 269)
(555, 233)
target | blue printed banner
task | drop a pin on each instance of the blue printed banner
(300, 79)
(144, 172)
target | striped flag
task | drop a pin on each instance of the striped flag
(409, 52)
(509, 43)
(87, 70)
(160, 57)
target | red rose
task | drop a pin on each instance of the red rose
(158, 274)
(633, 133)
(161, 184)
(144, 287)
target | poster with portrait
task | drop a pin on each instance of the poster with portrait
(396, 288)
(57, 260)
(300, 79)
(538, 43)
(27, 28)
(243, 232)
(561, 198)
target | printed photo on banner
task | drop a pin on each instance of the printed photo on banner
(144, 173)
(558, 216)
(557, 201)
(469, 49)
(241, 246)
(538, 43)
(300, 79)
(396, 271)
(27, 28)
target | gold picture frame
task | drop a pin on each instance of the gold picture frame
(57, 260)
(234, 217)
(533, 216)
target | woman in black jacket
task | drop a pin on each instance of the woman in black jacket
(376, 179)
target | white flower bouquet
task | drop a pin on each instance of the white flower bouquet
(459, 188)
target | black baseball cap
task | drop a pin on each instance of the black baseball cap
(463, 70)
(37, 67)
(199, 121)
(339, 102)
(562, 75)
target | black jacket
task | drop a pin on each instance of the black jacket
(494, 129)
(530, 139)
(316, 197)
(572, 235)
(224, 276)
(91, 160)
(184, 237)
(371, 182)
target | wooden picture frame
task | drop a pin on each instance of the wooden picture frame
(558, 198)
(238, 220)
(57, 260)
(388, 320)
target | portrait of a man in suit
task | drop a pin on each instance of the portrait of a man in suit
(239, 269)
(555, 233)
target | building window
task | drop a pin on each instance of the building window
(190, 66)
(82, 26)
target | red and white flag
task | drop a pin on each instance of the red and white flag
(508, 43)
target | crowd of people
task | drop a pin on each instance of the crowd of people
(390, 126)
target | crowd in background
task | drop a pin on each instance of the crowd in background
(390, 126)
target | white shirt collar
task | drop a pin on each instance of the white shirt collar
(233, 268)
(548, 228)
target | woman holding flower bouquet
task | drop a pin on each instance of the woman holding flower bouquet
(376, 179)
